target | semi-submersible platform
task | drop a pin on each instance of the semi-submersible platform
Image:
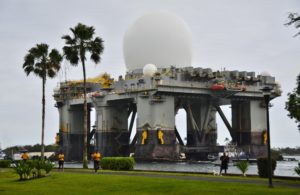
(153, 102)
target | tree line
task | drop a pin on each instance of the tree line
(288, 150)
(31, 148)
(55, 148)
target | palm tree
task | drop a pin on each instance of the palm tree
(42, 64)
(77, 45)
(243, 166)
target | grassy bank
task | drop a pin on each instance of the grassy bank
(89, 183)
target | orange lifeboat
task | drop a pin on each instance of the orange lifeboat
(217, 87)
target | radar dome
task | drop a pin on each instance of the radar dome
(159, 38)
(149, 70)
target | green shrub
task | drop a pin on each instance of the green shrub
(48, 166)
(20, 169)
(38, 165)
(27, 169)
(297, 169)
(117, 163)
(32, 168)
(24, 169)
(5, 163)
(262, 166)
(243, 166)
(30, 163)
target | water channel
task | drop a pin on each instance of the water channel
(283, 168)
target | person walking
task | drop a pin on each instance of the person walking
(25, 156)
(61, 160)
(96, 157)
(224, 163)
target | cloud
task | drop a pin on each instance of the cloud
(236, 35)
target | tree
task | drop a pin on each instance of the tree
(294, 18)
(243, 166)
(42, 64)
(293, 103)
(77, 45)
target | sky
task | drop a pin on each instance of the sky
(233, 34)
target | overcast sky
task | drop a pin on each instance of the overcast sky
(232, 34)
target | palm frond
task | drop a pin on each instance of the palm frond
(294, 18)
(71, 54)
(84, 32)
(28, 69)
(55, 56)
(243, 166)
(69, 40)
(39, 72)
(91, 31)
(96, 46)
(38, 61)
(53, 66)
(28, 60)
(40, 50)
(51, 73)
(95, 57)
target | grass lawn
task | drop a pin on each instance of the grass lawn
(89, 183)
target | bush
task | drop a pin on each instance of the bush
(297, 169)
(48, 166)
(32, 168)
(262, 166)
(22, 169)
(19, 170)
(243, 166)
(5, 163)
(27, 169)
(117, 163)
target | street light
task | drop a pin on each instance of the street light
(266, 93)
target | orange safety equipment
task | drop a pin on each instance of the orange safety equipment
(96, 156)
(160, 136)
(25, 156)
(265, 137)
(61, 157)
(144, 136)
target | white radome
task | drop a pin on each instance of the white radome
(160, 38)
(149, 70)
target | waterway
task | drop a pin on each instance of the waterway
(283, 168)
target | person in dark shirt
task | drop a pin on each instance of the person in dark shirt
(224, 163)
